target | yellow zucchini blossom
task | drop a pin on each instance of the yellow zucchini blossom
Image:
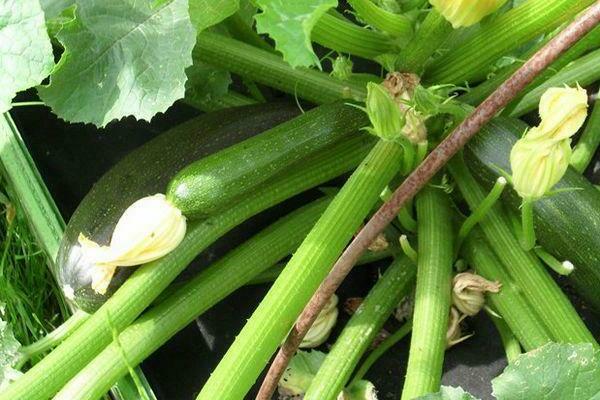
(540, 158)
(148, 230)
(321, 328)
(462, 13)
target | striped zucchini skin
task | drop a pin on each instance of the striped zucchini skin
(566, 224)
(145, 171)
(218, 181)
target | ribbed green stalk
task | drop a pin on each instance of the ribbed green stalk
(510, 302)
(384, 346)
(264, 67)
(588, 143)
(512, 347)
(395, 24)
(589, 42)
(48, 376)
(272, 320)
(471, 60)
(537, 285)
(361, 330)
(339, 34)
(583, 71)
(210, 286)
(432, 33)
(432, 294)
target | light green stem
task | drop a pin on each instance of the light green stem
(210, 286)
(471, 60)
(397, 25)
(527, 227)
(432, 294)
(588, 143)
(49, 375)
(511, 344)
(523, 319)
(272, 320)
(480, 212)
(408, 249)
(432, 33)
(384, 346)
(562, 268)
(361, 330)
(264, 67)
(549, 302)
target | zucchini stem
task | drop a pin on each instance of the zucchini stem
(284, 302)
(527, 226)
(361, 330)
(432, 294)
(562, 268)
(511, 344)
(384, 346)
(408, 250)
(397, 25)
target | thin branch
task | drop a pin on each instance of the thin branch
(419, 178)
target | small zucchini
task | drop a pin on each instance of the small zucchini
(567, 224)
(146, 171)
(216, 182)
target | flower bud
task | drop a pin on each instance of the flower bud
(342, 68)
(563, 111)
(537, 166)
(321, 328)
(468, 292)
(386, 118)
(461, 13)
(149, 229)
(454, 333)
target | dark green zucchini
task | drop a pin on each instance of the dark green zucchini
(146, 171)
(566, 224)
(216, 182)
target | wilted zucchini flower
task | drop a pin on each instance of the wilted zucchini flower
(541, 157)
(468, 292)
(462, 13)
(149, 229)
(321, 328)
(454, 333)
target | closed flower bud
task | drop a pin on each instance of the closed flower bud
(342, 68)
(149, 229)
(468, 292)
(386, 118)
(562, 111)
(321, 328)
(461, 13)
(537, 166)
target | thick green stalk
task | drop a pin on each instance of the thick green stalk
(589, 42)
(264, 67)
(432, 33)
(231, 99)
(511, 344)
(384, 346)
(339, 34)
(48, 376)
(397, 25)
(471, 60)
(361, 330)
(209, 287)
(583, 72)
(524, 267)
(432, 295)
(510, 302)
(588, 143)
(274, 317)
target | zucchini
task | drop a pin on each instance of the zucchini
(216, 182)
(146, 171)
(566, 224)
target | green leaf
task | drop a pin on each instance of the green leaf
(122, 57)
(290, 23)
(206, 83)
(25, 50)
(206, 13)
(9, 355)
(448, 393)
(554, 371)
(53, 8)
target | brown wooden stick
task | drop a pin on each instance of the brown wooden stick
(418, 179)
